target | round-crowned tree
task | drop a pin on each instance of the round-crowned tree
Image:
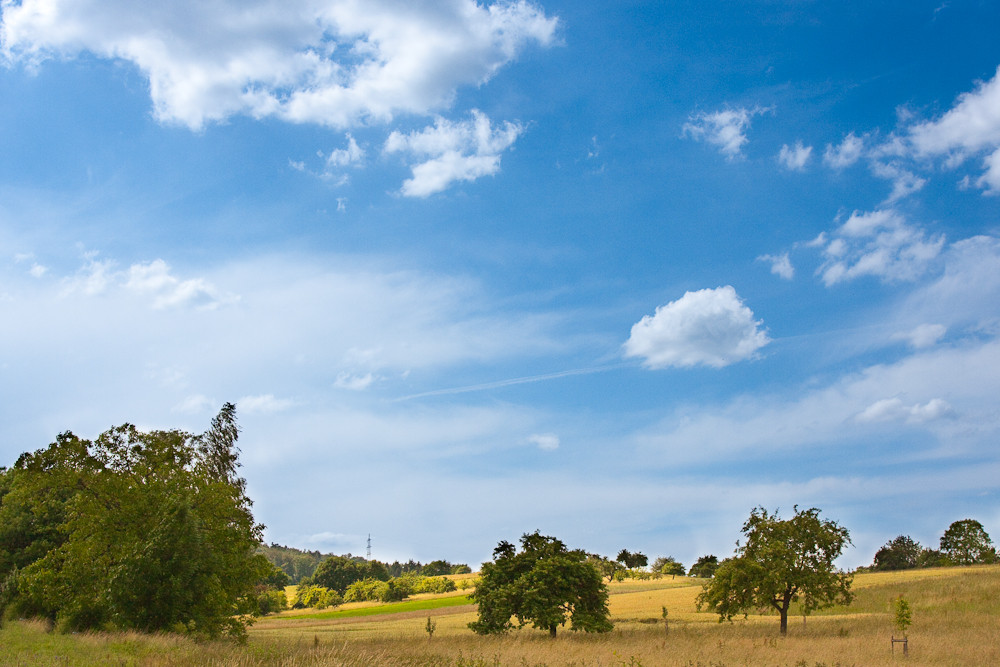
(544, 584)
(782, 561)
(967, 543)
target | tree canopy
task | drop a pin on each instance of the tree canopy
(900, 553)
(542, 584)
(967, 543)
(139, 530)
(782, 561)
(704, 567)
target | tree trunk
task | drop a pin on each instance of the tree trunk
(784, 622)
(552, 631)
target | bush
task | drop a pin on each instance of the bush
(367, 590)
(317, 597)
(271, 601)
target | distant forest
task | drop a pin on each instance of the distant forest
(299, 564)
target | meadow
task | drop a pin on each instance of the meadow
(956, 621)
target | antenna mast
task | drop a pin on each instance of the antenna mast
(369, 552)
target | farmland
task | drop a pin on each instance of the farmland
(955, 619)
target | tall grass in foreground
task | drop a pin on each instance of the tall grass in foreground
(956, 620)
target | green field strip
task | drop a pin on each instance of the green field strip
(392, 608)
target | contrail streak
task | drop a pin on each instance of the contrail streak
(506, 383)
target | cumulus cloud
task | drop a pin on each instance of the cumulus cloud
(338, 63)
(878, 243)
(343, 157)
(970, 127)
(893, 409)
(545, 441)
(724, 129)
(795, 157)
(152, 280)
(708, 327)
(850, 150)
(781, 265)
(453, 151)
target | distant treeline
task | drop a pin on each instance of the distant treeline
(301, 565)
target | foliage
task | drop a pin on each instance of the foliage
(317, 597)
(145, 531)
(297, 564)
(704, 567)
(668, 565)
(606, 566)
(632, 560)
(901, 553)
(932, 558)
(902, 615)
(543, 584)
(781, 562)
(339, 572)
(967, 543)
(270, 601)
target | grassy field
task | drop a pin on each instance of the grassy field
(956, 621)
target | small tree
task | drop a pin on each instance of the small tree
(967, 543)
(781, 562)
(543, 584)
(668, 565)
(903, 616)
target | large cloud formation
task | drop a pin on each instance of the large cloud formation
(338, 63)
(709, 327)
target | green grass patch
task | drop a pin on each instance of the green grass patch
(391, 608)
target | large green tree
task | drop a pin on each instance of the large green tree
(544, 584)
(966, 542)
(152, 531)
(780, 562)
(900, 553)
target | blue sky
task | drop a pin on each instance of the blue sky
(616, 271)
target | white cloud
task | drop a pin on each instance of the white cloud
(194, 405)
(343, 157)
(545, 441)
(972, 125)
(168, 291)
(990, 180)
(710, 327)
(453, 151)
(904, 181)
(923, 335)
(893, 409)
(781, 265)
(338, 63)
(37, 270)
(354, 382)
(847, 153)
(262, 404)
(878, 243)
(725, 129)
(795, 157)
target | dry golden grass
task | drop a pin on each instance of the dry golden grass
(956, 622)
